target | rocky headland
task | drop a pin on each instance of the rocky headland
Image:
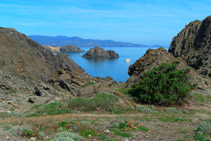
(98, 52)
(70, 49)
(33, 74)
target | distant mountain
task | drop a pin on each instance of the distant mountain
(77, 41)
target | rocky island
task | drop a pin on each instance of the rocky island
(98, 52)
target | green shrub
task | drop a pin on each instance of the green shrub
(18, 130)
(203, 131)
(68, 136)
(143, 109)
(103, 100)
(81, 102)
(164, 85)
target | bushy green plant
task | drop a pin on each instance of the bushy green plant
(203, 131)
(68, 136)
(18, 130)
(143, 109)
(164, 85)
(103, 100)
(81, 102)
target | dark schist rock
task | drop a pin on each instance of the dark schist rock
(153, 58)
(193, 44)
(98, 52)
(70, 49)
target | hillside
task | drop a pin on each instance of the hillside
(80, 42)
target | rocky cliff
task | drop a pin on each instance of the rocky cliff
(193, 44)
(70, 49)
(98, 52)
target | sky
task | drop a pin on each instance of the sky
(147, 22)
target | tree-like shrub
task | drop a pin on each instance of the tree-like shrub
(164, 85)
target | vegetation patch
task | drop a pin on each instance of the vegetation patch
(143, 109)
(53, 108)
(124, 91)
(174, 119)
(88, 84)
(203, 132)
(164, 85)
(100, 101)
(200, 98)
(68, 136)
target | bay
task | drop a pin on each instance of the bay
(115, 68)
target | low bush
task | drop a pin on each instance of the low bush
(164, 85)
(203, 132)
(143, 109)
(68, 136)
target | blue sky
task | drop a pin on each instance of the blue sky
(138, 21)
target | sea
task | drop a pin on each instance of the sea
(116, 68)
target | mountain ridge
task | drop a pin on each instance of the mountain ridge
(80, 42)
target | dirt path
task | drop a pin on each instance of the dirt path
(64, 116)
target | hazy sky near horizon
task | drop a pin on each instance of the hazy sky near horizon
(139, 21)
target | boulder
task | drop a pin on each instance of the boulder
(193, 44)
(70, 49)
(98, 52)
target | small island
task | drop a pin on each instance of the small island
(98, 52)
(70, 49)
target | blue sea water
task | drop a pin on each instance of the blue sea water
(115, 68)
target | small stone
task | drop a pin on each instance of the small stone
(7, 138)
(147, 137)
(89, 135)
(33, 138)
(107, 131)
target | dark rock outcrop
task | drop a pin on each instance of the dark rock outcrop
(98, 52)
(193, 44)
(153, 58)
(70, 49)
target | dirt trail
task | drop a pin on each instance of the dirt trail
(64, 116)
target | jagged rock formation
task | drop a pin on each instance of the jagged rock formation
(193, 44)
(153, 58)
(98, 52)
(70, 49)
